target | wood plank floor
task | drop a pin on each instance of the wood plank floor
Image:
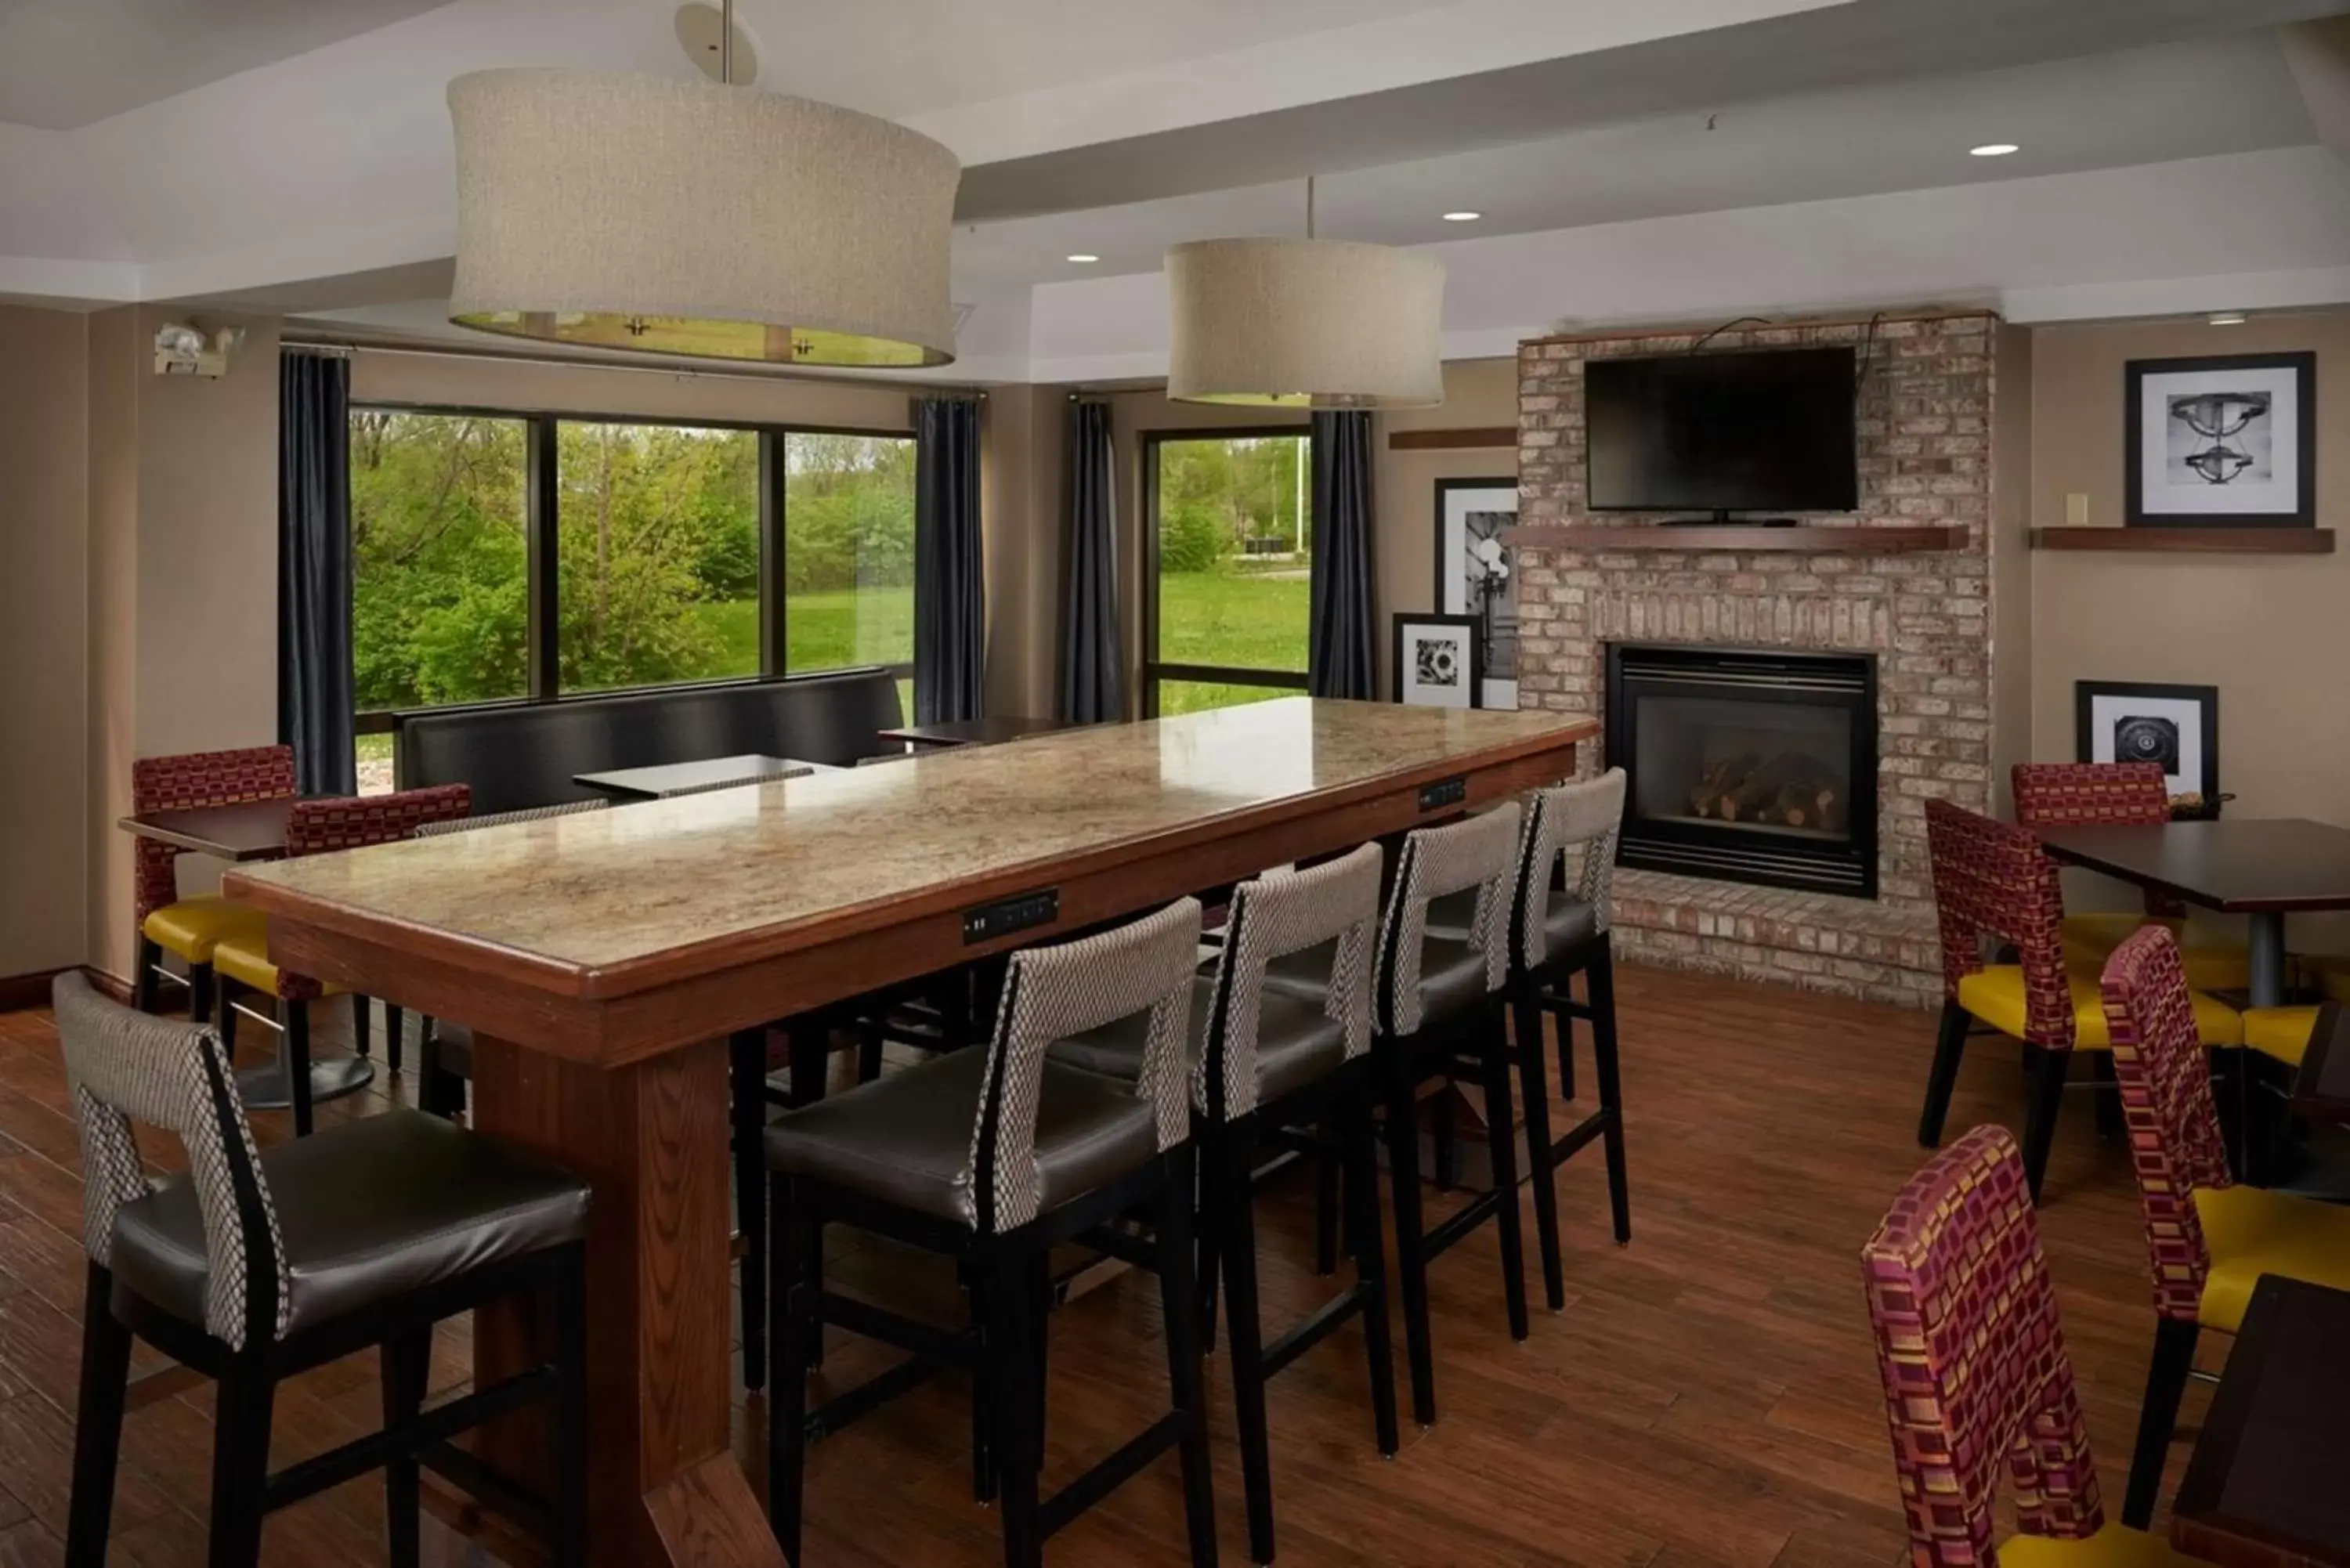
(1709, 1396)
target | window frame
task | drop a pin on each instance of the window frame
(1154, 668)
(541, 509)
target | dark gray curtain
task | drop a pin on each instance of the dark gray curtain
(1342, 655)
(314, 570)
(1093, 654)
(949, 638)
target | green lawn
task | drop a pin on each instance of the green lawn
(822, 631)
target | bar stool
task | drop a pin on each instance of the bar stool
(254, 1268)
(189, 928)
(1266, 1061)
(1438, 1010)
(1558, 929)
(242, 958)
(993, 1157)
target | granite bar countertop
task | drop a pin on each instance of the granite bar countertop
(603, 888)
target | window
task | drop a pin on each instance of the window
(656, 552)
(1232, 533)
(848, 551)
(504, 556)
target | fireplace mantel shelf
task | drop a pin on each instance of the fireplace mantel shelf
(1800, 540)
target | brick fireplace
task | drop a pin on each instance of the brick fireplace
(1927, 419)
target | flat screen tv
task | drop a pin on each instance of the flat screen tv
(1769, 431)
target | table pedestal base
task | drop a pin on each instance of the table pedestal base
(650, 1137)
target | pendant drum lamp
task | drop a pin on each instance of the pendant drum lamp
(1305, 323)
(666, 216)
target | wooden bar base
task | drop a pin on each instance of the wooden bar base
(652, 1139)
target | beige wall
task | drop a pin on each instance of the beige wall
(44, 639)
(2011, 557)
(481, 381)
(182, 578)
(1022, 480)
(1478, 394)
(2273, 632)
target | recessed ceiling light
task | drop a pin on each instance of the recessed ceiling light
(1464, 216)
(1085, 258)
(1994, 150)
(2227, 318)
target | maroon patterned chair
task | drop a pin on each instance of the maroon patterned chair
(2209, 1239)
(242, 958)
(1994, 885)
(2073, 794)
(162, 921)
(1976, 1378)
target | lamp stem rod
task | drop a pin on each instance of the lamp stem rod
(726, 42)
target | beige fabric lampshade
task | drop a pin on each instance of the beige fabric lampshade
(1325, 324)
(684, 217)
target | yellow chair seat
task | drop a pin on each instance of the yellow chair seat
(243, 957)
(2113, 1546)
(2330, 975)
(2252, 1230)
(2281, 1034)
(2090, 939)
(191, 928)
(1995, 996)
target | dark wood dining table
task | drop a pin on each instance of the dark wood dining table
(662, 780)
(250, 830)
(2264, 869)
(602, 959)
(992, 730)
(2269, 1484)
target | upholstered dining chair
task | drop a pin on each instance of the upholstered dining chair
(189, 928)
(1436, 1010)
(993, 1157)
(2126, 795)
(1263, 1062)
(242, 958)
(1994, 884)
(1560, 909)
(252, 1268)
(1976, 1378)
(2209, 1239)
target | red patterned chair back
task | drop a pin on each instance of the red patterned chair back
(2174, 1129)
(316, 827)
(2077, 794)
(189, 780)
(1973, 1358)
(1993, 880)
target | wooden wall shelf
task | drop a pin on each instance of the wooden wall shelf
(1796, 540)
(2232, 541)
(1463, 440)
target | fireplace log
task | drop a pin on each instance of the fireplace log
(1721, 776)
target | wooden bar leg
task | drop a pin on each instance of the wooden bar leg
(650, 1138)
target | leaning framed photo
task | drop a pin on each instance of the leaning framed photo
(1476, 572)
(2176, 727)
(1439, 660)
(2224, 441)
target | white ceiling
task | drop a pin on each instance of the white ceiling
(2174, 150)
(67, 63)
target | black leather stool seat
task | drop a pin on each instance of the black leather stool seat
(1569, 925)
(368, 1212)
(1451, 976)
(1297, 1043)
(905, 1138)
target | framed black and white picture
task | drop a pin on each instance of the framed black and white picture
(2228, 441)
(1476, 572)
(2176, 726)
(1440, 660)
